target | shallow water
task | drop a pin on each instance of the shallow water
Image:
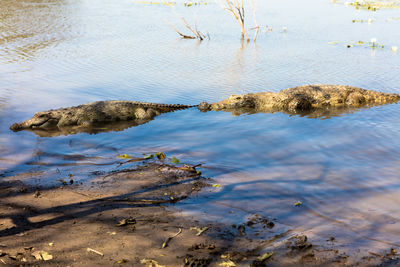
(345, 170)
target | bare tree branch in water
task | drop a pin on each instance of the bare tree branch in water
(197, 34)
(237, 10)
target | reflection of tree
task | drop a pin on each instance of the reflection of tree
(26, 27)
(242, 65)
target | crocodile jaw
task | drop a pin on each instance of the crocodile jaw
(35, 122)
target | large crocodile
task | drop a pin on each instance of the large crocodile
(93, 117)
(310, 100)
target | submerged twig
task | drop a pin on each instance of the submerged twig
(178, 32)
(197, 34)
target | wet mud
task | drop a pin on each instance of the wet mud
(126, 218)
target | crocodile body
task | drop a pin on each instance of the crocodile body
(85, 117)
(310, 100)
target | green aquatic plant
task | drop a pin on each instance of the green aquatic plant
(374, 5)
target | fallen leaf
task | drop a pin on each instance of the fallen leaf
(216, 185)
(174, 160)
(265, 256)
(124, 222)
(51, 244)
(14, 258)
(151, 263)
(42, 255)
(124, 156)
(46, 256)
(188, 168)
(199, 230)
(122, 261)
(148, 156)
(228, 263)
(298, 203)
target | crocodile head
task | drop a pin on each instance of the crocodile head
(235, 102)
(39, 120)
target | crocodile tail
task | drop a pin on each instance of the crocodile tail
(168, 106)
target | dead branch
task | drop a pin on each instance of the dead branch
(237, 10)
(178, 32)
(195, 32)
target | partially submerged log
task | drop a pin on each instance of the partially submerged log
(310, 100)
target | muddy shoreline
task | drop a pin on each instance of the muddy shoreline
(127, 218)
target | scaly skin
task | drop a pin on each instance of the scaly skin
(83, 117)
(310, 100)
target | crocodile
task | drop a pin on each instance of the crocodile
(309, 100)
(95, 115)
(314, 101)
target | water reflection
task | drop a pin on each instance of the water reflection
(315, 113)
(93, 129)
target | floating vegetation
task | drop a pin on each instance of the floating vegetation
(374, 5)
(393, 19)
(170, 3)
(163, 3)
(369, 21)
(188, 4)
(373, 43)
(298, 204)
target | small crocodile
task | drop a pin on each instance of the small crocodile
(84, 117)
(310, 100)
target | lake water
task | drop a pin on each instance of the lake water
(345, 170)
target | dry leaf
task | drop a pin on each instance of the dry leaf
(228, 263)
(199, 230)
(151, 263)
(42, 255)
